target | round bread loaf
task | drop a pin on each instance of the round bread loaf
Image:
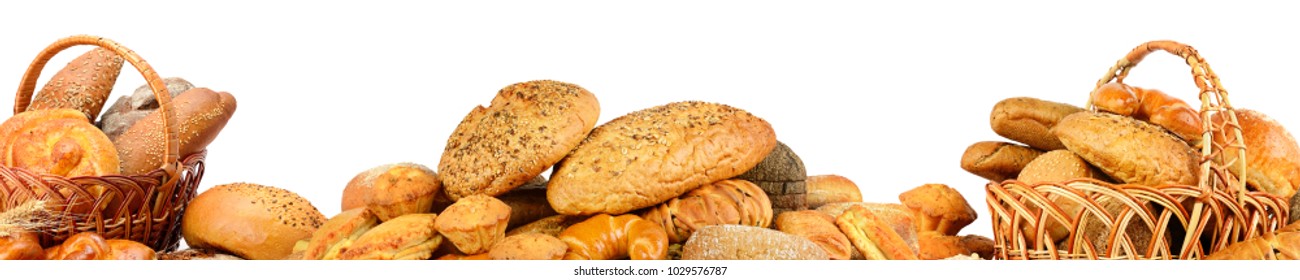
(653, 155)
(1272, 155)
(782, 175)
(528, 128)
(1129, 150)
(249, 220)
(738, 242)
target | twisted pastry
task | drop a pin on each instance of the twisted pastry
(726, 202)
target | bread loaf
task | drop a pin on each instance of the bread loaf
(250, 221)
(818, 228)
(83, 85)
(650, 156)
(1272, 155)
(528, 128)
(997, 161)
(781, 174)
(605, 237)
(1129, 150)
(738, 242)
(200, 114)
(831, 188)
(526, 205)
(1030, 120)
(127, 110)
(735, 202)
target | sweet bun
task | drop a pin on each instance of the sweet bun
(250, 221)
(474, 223)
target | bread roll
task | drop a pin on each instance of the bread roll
(1030, 120)
(408, 237)
(200, 115)
(734, 202)
(1058, 166)
(979, 245)
(122, 249)
(551, 225)
(937, 207)
(831, 188)
(83, 85)
(526, 205)
(818, 228)
(1272, 155)
(650, 156)
(474, 223)
(81, 246)
(781, 174)
(605, 237)
(393, 190)
(531, 246)
(337, 233)
(997, 161)
(249, 220)
(20, 246)
(1129, 150)
(127, 110)
(528, 128)
(737, 242)
(56, 141)
(873, 236)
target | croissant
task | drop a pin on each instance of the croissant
(1152, 106)
(605, 237)
(734, 202)
(1283, 244)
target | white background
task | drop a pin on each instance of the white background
(886, 94)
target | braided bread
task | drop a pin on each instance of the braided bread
(732, 202)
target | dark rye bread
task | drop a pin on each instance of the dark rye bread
(650, 156)
(528, 128)
(783, 177)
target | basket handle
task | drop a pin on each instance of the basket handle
(28, 86)
(1214, 98)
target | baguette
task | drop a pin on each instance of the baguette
(1029, 120)
(83, 85)
(997, 161)
(200, 114)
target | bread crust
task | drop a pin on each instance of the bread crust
(527, 128)
(819, 228)
(1272, 155)
(653, 155)
(831, 188)
(249, 220)
(738, 242)
(1029, 120)
(83, 85)
(1129, 150)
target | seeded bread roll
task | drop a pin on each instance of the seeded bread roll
(250, 221)
(782, 175)
(1129, 150)
(1030, 120)
(201, 114)
(997, 161)
(737, 242)
(528, 128)
(83, 85)
(653, 155)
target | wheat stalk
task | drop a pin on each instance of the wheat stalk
(29, 216)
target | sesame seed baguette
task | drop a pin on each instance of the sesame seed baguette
(84, 84)
(201, 114)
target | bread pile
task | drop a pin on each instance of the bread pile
(1132, 136)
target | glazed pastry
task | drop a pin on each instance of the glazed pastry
(605, 237)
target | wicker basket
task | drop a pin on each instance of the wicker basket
(160, 195)
(1184, 222)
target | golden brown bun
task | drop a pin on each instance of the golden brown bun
(937, 207)
(650, 156)
(1129, 150)
(935, 246)
(831, 188)
(1029, 120)
(737, 242)
(526, 205)
(1058, 166)
(818, 228)
(83, 85)
(81, 246)
(399, 189)
(528, 128)
(733, 202)
(980, 245)
(605, 237)
(997, 161)
(56, 141)
(249, 220)
(474, 223)
(552, 225)
(337, 233)
(1272, 155)
(127, 110)
(20, 246)
(531, 246)
(781, 174)
(408, 237)
(200, 115)
(873, 236)
(122, 249)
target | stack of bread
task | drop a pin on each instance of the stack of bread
(61, 132)
(1133, 136)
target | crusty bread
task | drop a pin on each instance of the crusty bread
(249, 220)
(997, 161)
(1053, 167)
(1129, 150)
(735, 201)
(528, 128)
(531, 246)
(1029, 120)
(474, 223)
(200, 115)
(1272, 155)
(127, 110)
(653, 155)
(831, 188)
(739, 242)
(83, 85)
(819, 228)
(781, 174)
